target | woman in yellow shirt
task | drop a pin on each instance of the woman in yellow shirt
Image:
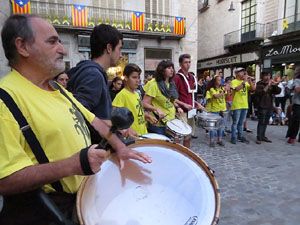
(160, 97)
(217, 106)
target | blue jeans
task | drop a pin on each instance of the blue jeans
(220, 131)
(238, 118)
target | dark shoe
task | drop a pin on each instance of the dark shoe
(265, 139)
(228, 131)
(243, 140)
(194, 136)
(258, 141)
(291, 141)
(221, 143)
(233, 141)
(248, 130)
(212, 144)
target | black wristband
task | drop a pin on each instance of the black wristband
(84, 161)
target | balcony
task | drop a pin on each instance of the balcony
(60, 15)
(240, 37)
(280, 28)
(203, 5)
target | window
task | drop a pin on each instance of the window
(248, 16)
(292, 10)
(158, 7)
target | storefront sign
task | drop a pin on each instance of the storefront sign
(283, 50)
(220, 62)
(286, 49)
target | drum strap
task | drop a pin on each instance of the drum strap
(95, 137)
(28, 133)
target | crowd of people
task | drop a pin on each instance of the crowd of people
(54, 146)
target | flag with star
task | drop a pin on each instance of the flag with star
(79, 16)
(21, 6)
(179, 25)
(137, 21)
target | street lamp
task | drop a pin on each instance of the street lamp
(231, 8)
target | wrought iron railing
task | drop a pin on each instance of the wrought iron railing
(246, 34)
(61, 15)
(283, 26)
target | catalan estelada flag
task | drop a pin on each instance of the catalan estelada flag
(79, 16)
(179, 25)
(21, 6)
(137, 21)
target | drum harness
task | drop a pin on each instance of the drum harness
(52, 209)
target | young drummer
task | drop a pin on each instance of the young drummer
(130, 99)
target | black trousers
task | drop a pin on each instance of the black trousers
(294, 122)
(27, 208)
(263, 120)
(280, 101)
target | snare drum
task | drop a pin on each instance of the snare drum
(176, 188)
(154, 136)
(178, 129)
(209, 121)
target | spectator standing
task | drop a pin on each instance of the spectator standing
(295, 119)
(280, 98)
(62, 79)
(265, 89)
(115, 87)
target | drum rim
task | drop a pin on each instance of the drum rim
(180, 148)
(175, 132)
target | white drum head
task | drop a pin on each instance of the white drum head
(175, 189)
(179, 127)
(155, 136)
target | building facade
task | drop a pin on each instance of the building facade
(146, 47)
(230, 36)
(281, 49)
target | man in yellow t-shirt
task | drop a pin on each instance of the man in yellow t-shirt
(239, 106)
(34, 52)
(130, 99)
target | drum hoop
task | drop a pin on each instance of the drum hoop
(175, 132)
(180, 148)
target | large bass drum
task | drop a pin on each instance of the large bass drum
(177, 188)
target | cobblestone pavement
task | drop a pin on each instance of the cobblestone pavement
(259, 184)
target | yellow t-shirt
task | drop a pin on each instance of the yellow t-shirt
(160, 101)
(208, 99)
(217, 104)
(132, 101)
(240, 98)
(58, 126)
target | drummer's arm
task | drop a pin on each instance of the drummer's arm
(220, 94)
(123, 152)
(35, 176)
(148, 106)
(184, 105)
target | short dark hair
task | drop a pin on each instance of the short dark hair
(101, 36)
(228, 79)
(265, 73)
(184, 56)
(15, 26)
(160, 69)
(130, 68)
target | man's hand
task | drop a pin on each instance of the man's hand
(96, 157)
(126, 154)
(180, 111)
(127, 133)
(188, 107)
(160, 113)
(199, 106)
